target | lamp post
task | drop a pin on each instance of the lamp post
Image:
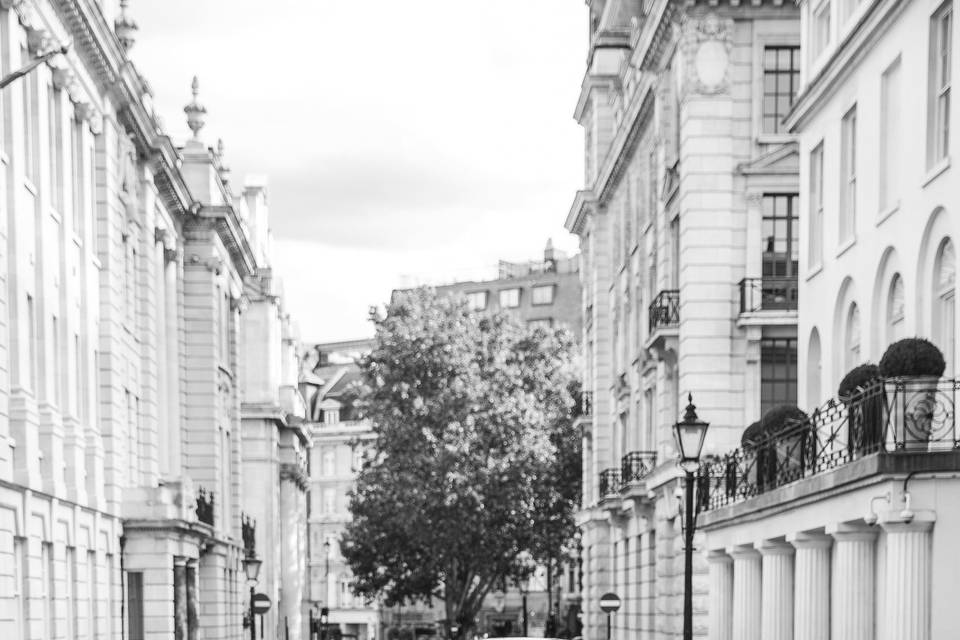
(689, 434)
(524, 585)
(325, 611)
(251, 567)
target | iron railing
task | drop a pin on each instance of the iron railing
(665, 310)
(770, 293)
(892, 416)
(584, 404)
(205, 506)
(609, 482)
(248, 531)
(636, 465)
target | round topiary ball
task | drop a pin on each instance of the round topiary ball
(752, 435)
(859, 377)
(912, 357)
(776, 419)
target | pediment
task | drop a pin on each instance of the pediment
(782, 160)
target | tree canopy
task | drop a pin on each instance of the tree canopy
(476, 470)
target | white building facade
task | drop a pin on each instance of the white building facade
(128, 266)
(689, 233)
(846, 527)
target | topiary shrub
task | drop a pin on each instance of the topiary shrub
(752, 435)
(776, 419)
(912, 357)
(858, 378)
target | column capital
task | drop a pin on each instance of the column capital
(774, 548)
(852, 531)
(805, 540)
(719, 556)
(743, 551)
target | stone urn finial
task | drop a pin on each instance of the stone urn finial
(224, 169)
(125, 27)
(196, 112)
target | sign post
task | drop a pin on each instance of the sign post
(609, 603)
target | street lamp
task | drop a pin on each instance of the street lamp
(251, 567)
(689, 434)
(524, 585)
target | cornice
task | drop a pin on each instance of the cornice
(656, 36)
(227, 226)
(583, 203)
(844, 60)
(618, 157)
(591, 81)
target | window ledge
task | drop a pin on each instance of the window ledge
(936, 171)
(775, 138)
(845, 245)
(814, 270)
(887, 213)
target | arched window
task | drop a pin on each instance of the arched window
(944, 311)
(895, 309)
(852, 338)
(813, 370)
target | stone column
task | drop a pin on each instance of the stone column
(906, 607)
(180, 599)
(746, 593)
(721, 595)
(292, 485)
(852, 605)
(777, 599)
(193, 600)
(811, 586)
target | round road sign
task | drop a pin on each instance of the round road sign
(609, 602)
(261, 603)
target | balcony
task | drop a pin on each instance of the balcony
(665, 310)
(205, 506)
(584, 405)
(896, 424)
(635, 466)
(768, 294)
(609, 484)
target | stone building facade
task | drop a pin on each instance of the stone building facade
(873, 501)
(133, 274)
(689, 249)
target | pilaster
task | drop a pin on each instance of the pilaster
(721, 596)
(811, 586)
(906, 607)
(747, 593)
(777, 600)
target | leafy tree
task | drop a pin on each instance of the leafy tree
(476, 468)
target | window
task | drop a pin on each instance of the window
(359, 455)
(852, 350)
(329, 500)
(820, 28)
(814, 369)
(941, 25)
(129, 274)
(510, 298)
(477, 300)
(944, 312)
(781, 243)
(778, 372)
(328, 468)
(891, 125)
(848, 175)
(543, 294)
(135, 605)
(816, 207)
(781, 76)
(895, 309)
(133, 439)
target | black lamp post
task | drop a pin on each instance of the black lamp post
(689, 434)
(251, 567)
(524, 585)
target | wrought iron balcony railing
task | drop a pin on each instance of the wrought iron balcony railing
(665, 310)
(205, 506)
(636, 465)
(768, 294)
(609, 483)
(584, 404)
(892, 416)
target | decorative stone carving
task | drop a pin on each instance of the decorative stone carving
(125, 27)
(196, 112)
(9, 4)
(705, 45)
(38, 41)
(62, 78)
(240, 304)
(294, 473)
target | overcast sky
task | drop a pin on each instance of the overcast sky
(402, 141)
